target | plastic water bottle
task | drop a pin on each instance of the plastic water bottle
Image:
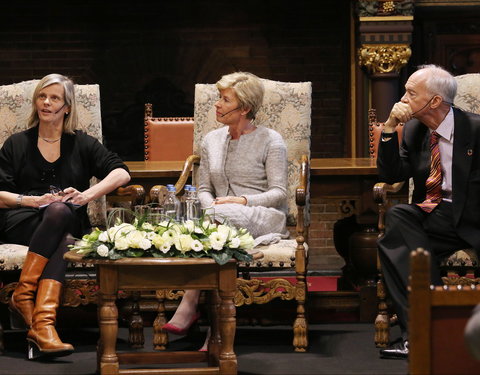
(183, 201)
(172, 204)
(194, 209)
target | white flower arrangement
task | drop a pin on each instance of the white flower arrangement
(167, 239)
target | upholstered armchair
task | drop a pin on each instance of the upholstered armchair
(462, 267)
(15, 108)
(280, 270)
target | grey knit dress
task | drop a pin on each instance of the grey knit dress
(255, 167)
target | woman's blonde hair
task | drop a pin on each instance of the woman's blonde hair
(248, 88)
(70, 122)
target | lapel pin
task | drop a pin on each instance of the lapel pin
(469, 152)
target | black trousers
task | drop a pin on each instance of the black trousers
(407, 228)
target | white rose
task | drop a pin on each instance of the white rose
(183, 242)
(197, 245)
(189, 226)
(234, 243)
(145, 244)
(121, 243)
(150, 235)
(158, 241)
(224, 230)
(135, 238)
(246, 241)
(102, 250)
(103, 237)
(217, 240)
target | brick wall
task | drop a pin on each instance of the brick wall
(157, 50)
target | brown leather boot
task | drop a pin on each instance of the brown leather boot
(22, 301)
(42, 337)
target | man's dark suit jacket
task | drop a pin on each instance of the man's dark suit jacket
(413, 160)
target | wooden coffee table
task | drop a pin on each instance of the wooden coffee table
(139, 274)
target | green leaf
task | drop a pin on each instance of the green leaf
(221, 257)
(242, 256)
(134, 253)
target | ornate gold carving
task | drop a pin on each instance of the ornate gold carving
(461, 280)
(300, 335)
(384, 58)
(259, 292)
(80, 292)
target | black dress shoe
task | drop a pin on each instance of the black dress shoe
(398, 350)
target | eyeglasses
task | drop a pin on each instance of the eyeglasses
(56, 190)
(53, 99)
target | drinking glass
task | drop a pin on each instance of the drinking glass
(155, 215)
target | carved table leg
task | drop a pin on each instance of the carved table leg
(160, 338)
(108, 321)
(227, 287)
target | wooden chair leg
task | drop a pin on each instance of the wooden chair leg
(382, 321)
(300, 326)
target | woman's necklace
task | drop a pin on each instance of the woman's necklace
(49, 140)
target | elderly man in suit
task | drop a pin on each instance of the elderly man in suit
(440, 149)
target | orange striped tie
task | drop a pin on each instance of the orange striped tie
(434, 180)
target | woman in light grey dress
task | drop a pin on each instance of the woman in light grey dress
(243, 175)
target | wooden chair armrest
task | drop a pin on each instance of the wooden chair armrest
(301, 198)
(380, 196)
(136, 193)
(187, 169)
(302, 188)
(159, 192)
(381, 190)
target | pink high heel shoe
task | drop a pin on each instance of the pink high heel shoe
(179, 331)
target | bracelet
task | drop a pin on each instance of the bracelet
(19, 200)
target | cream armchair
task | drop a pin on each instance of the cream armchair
(287, 109)
(15, 108)
(462, 267)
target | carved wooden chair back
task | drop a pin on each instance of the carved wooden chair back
(167, 138)
(438, 316)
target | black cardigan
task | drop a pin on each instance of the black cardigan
(23, 169)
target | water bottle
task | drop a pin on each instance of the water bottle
(172, 204)
(194, 210)
(183, 201)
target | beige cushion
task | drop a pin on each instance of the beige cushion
(461, 258)
(12, 256)
(281, 254)
(286, 108)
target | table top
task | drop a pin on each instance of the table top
(318, 167)
(343, 166)
(73, 256)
